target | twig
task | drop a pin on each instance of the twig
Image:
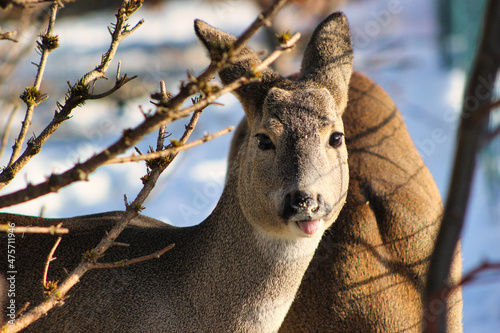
(22, 309)
(50, 258)
(495, 132)
(494, 105)
(53, 229)
(8, 35)
(28, 24)
(131, 137)
(164, 97)
(278, 52)
(170, 151)
(191, 126)
(473, 274)
(491, 135)
(78, 93)
(118, 84)
(263, 19)
(26, 3)
(485, 110)
(6, 131)
(471, 132)
(128, 262)
(33, 97)
(191, 88)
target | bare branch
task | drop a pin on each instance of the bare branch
(493, 133)
(191, 126)
(78, 93)
(8, 35)
(473, 274)
(130, 137)
(50, 258)
(494, 105)
(471, 133)
(163, 116)
(52, 230)
(128, 262)
(32, 95)
(126, 32)
(119, 83)
(6, 131)
(263, 19)
(28, 25)
(170, 151)
(191, 88)
(163, 97)
(27, 3)
(286, 47)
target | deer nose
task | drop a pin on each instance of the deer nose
(300, 203)
(302, 200)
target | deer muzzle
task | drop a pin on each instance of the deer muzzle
(305, 209)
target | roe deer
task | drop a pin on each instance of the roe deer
(239, 269)
(369, 271)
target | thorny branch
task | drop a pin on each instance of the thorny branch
(32, 95)
(119, 82)
(169, 152)
(128, 262)
(166, 113)
(52, 230)
(79, 92)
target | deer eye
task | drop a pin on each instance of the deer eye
(264, 142)
(336, 139)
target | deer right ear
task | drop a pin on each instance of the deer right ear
(252, 95)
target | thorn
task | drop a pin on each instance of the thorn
(118, 70)
(163, 87)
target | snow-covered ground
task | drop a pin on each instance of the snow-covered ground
(395, 44)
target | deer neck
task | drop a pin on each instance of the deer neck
(262, 270)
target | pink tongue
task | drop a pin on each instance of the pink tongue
(309, 227)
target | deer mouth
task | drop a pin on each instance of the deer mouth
(309, 227)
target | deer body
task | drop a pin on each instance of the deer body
(239, 270)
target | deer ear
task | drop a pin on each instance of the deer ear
(328, 58)
(251, 95)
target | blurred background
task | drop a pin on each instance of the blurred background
(419, 51)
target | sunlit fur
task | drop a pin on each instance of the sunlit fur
(239, 270)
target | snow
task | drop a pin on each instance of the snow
(395, 44)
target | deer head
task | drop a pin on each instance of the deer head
(294, 153)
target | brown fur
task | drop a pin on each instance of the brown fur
(372, 263)
(239, 270)
(369, 271)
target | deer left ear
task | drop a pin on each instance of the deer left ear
(328, 58)
(251, 95)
